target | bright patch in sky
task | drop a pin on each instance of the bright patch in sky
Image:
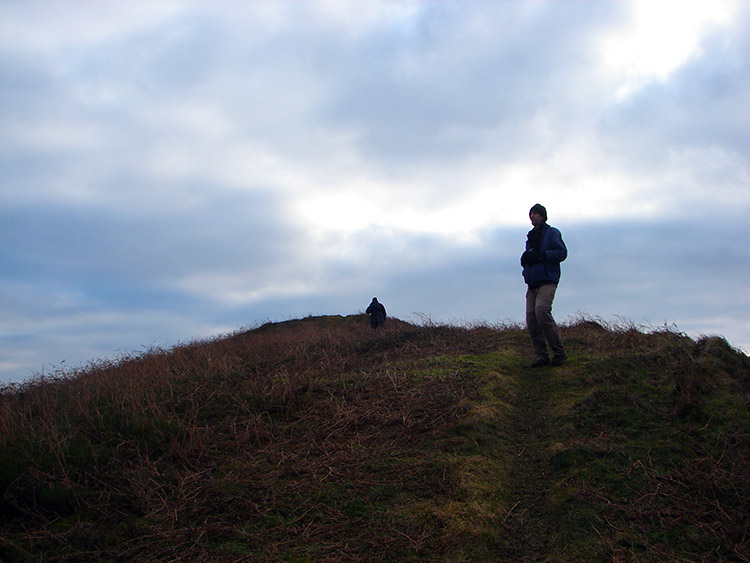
(662, 36)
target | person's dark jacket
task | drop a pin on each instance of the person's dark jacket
(376, 310)
(545, 250)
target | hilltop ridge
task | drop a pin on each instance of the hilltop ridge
(318, 439)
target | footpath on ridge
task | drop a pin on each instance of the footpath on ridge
(527, 522)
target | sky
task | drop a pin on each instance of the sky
(178, 170)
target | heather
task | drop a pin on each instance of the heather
(319, 439)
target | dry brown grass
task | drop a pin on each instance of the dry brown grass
(320, 440)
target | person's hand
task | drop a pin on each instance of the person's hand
(531, 257)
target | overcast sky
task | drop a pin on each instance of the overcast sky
(171, 171)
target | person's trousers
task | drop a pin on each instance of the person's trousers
(539, 321)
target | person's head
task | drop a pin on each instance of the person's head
(538, 215)
(374, 299)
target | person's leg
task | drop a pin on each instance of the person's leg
(548, 327)
(532, 325)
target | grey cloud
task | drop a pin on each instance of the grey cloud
(480, 77)
(108, 244)
(227, 232)
(646, 272)
(701, 106)
(673, 270)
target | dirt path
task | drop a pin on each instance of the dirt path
(528, 521)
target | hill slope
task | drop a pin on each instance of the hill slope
(320, 440)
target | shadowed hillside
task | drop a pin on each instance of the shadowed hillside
(321, 440)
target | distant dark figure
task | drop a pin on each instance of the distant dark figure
(376, 312)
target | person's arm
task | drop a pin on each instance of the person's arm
(557, 251)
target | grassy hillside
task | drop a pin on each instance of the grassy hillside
(320, 440)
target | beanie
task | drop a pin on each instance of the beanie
(539, 208)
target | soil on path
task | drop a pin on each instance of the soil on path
(527, 523)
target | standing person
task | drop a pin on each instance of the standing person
(545, 250)
(376, 311)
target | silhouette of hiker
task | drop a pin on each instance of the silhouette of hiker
(376, 312)
(545, 250)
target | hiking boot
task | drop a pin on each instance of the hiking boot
(540, 363)
(559, 359)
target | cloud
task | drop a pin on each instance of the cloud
(171, 170)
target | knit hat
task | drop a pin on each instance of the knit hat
(539, 208)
